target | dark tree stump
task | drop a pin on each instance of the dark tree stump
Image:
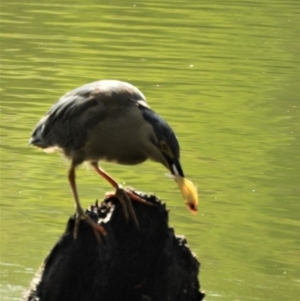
(149, 264)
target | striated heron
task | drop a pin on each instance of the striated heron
(110, 120)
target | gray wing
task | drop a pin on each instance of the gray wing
(68, 121)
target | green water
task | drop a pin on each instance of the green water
(224, 74)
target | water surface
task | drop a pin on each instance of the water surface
(225, 75)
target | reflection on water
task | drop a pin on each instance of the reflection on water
(224, 75)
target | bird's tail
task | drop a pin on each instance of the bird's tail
(36, 138)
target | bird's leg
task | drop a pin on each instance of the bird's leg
(114, 184)
(79, 211)
(124, 196)
(120, 193)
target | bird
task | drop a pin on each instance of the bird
(110, 120)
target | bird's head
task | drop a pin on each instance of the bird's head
(165, 149)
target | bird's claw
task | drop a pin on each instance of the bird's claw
(125, 196)
(81, 215)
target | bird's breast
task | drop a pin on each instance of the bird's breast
(116, 150)
(117, 139)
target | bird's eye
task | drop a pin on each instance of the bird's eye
(163, 145)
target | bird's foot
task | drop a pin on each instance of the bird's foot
(125, 196)
(81, 215)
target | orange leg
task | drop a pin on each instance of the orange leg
(79, 211)
(123, 195)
